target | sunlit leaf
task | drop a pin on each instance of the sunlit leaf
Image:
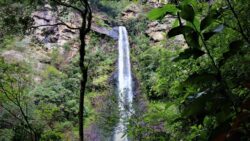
(159, 13)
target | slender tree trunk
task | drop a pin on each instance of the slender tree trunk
(83, 84)
(85, 28)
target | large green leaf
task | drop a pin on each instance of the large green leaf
(159, 13)
(208, 35)
(206, 22)
(209, 19)
(187, 13)
(179, 30)
(187, 53)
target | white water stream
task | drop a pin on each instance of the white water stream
(125, 96)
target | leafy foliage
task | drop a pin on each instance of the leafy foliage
(205, 90)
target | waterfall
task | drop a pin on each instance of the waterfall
(125, 96)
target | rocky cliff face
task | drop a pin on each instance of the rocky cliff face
(56, 33)
(60, 34)
(157, 31)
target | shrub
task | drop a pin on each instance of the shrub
(51, 136)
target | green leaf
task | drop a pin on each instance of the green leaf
(206, 22)
(223, 116)
(208, 35)
(197, 106)
(198, 78)
(209, 19)
(197, 53)
(234, 47)
(179, 30)
(159, 13)
(187, 53)
(192, 39)
(187, 13)
(192, 2)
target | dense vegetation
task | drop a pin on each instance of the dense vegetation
(200, 92)
(194, 93)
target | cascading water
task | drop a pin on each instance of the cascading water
(125, 96)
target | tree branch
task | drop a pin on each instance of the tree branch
(69, 6)
(57, 24)
(238, 21)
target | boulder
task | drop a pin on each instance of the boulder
(157, 36)
(12, 56)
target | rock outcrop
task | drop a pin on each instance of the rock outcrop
(131, 12)
(157, 3)
(157, 31)
(57, 34)
(53, 32)
(113, 33)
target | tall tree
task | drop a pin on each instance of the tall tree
(86, 16)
